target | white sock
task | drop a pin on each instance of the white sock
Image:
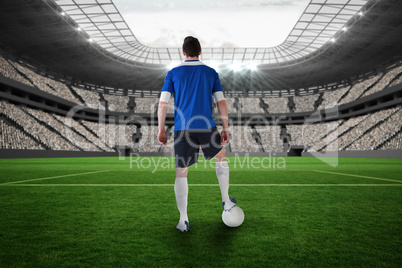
(181, 191)
(222, 172)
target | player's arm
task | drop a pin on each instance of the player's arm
(223, 115)
(162, 111)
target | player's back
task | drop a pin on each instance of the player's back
(193, 86)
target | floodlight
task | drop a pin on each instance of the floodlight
(252, 66)
(79, 29)
(361, 13)
(172, 65)
(235, 67)
(214, 65)
(344, 29)
(90, 40)
(333, 40)
(63, 13)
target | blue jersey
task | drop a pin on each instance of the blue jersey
(192, 84)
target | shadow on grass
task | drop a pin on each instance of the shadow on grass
(206, 243)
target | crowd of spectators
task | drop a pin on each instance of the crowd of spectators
(117, 103)
(397, 81)
(308, 134)
(147, 105)
(395, 143)
(386, 123)
(63, 130)
(329, 142)
(13, 138)
(242, 139)
(357, 89)
(90, 98)
(331, 98)
(366, 132)
(251, 105)
(277, 105)
(126, 133)
(270, 138)
(112, 134)
(39, 131)
(352, 139)
(7, 70)
(46, 84)
(305, 103)
(149, 139)
(69, 122)
(384, 82)
(62, 90)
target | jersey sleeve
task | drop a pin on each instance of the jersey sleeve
(217, 91)
(217, 84)
(167, 88)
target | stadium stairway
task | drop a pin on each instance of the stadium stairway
(318, 102)
(75, 94)
(263, 105)
(291, 104)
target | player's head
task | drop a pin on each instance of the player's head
(191, 47)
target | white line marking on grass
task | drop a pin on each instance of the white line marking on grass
(204, 185)
(359, 176)
(48, 178)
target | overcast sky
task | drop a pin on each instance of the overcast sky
(216, 23)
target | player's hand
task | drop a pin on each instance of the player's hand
(162, 137)
(224, 137)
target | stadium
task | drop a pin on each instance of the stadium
(315, 149)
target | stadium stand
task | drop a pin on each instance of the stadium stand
(112, 135)
(251, 105)
(117, 103)
(27, 128)
(277, 105)
(378, 126)
(308, 134)
(68, 133)
(305, 103)
(90, 98)
(394, 143)
(148, 141)
(12, 137)
(358, 89)
(384, 81)
(73, 124)
(147, 105)
(331, 98)
(230, 102)
(398, 80)
(40, 131)
(270, 138)
(329, 142)
(242, 139)
(7, 70)
(46, 84)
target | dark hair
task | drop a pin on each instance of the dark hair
(191, 46)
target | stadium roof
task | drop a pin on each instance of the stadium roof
(90, 43)
(320, 22)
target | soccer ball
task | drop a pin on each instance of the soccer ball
(233, 217)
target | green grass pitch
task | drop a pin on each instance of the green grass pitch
(99, 212)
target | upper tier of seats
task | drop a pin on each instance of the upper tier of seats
(124, 104)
